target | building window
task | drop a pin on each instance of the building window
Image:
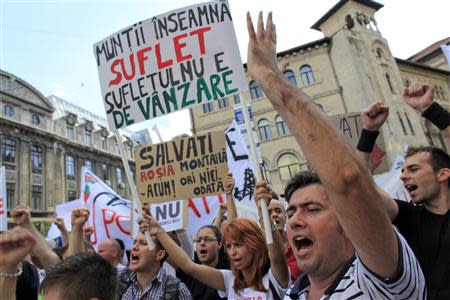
(104, 172)
(237, 99)
(70, 132)
(402, 123)
(35, 119)
(11, 194)
(88, 137)
(104, 142)
(379, 53)
(223, 103)
(288, 166)
(255, 90)
(391, 87)
(9, 150)
(130, 151)
(71, 195)
(88, 165)
(8, 110)
(409, 124)
(208, 107)
(282, 128)
(290, 76)
(70, 166)
(119, 176)
(36, 197)
(36, 159)
(307, 75)
(265, 132)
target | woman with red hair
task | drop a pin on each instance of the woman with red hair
(258, 271)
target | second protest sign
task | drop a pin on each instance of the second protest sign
(182, 168)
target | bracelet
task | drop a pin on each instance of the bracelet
(437, 115)
(19, 272)
(367, 140)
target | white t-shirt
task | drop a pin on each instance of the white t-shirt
(358, 282)
(250, 293)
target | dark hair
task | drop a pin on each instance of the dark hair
(82, 276)
(121, 244)
(28, 282)
(214, 229)
(439, 159)
(300, 180)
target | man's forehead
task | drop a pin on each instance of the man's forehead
(274, 203)
(417, 158)
(312, 193)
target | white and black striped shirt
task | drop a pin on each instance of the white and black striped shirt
(357, 282)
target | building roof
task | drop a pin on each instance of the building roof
(436, 46)
(421, 66)
(369, 3)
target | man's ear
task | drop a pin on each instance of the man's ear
(161, 254)
(443, 174)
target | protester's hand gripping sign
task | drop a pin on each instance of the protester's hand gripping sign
(170, 62)
(183, 168)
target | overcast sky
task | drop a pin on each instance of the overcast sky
(49, 43)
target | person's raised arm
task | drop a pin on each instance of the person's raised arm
(373, 117)
(59, 222)
(278, 261)
(15, 244)
(79, 217)
(229, 184)
(205, 274)
(346, 179)
(42, 255)
(420, 97)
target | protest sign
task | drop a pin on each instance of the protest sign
(3, 201)
(170, 215)
(182, 168)
(350, 125)
(168, 63)
(202, 211)
(240, 125)
(64, 211)
(243, 173)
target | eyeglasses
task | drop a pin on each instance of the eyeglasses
(205, 238)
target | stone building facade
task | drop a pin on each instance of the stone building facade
(348, 69)
(44, 143)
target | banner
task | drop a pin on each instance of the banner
(182, 168)
(240, 165)
(350, 124)
(240, 125)
(170, 215)
(391, 183)
(3, 201)
(170, 62)
(64, 210)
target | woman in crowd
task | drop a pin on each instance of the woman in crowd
(257, 269)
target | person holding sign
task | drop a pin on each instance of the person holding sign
(342, 236)
(257, 269)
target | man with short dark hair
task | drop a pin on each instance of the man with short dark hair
(425, 221)
(145, 279)
(339, 230)
(81, 276)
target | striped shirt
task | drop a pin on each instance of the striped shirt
(154, 290)
(356, 281)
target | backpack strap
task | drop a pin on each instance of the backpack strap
(171, 288)
(274, 291)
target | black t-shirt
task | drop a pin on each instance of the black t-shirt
(199, 290)
(424, 232)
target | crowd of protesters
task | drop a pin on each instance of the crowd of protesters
(337, 235)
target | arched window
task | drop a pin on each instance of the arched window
(208, 107)
(9, 150)
(288, 166)
(223, 103)
(104, 172)
(264, 130)
(36, 159)
(379, 53)
(306, 74)
(119, 176)
(8, 110)
(237, 99)
(70, 166)
(388, 79)
(289, 75)
(282, 128)
(255, 90)
(35, 119)
(88, 165)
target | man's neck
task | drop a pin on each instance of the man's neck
(144, 278)
(440, 204)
